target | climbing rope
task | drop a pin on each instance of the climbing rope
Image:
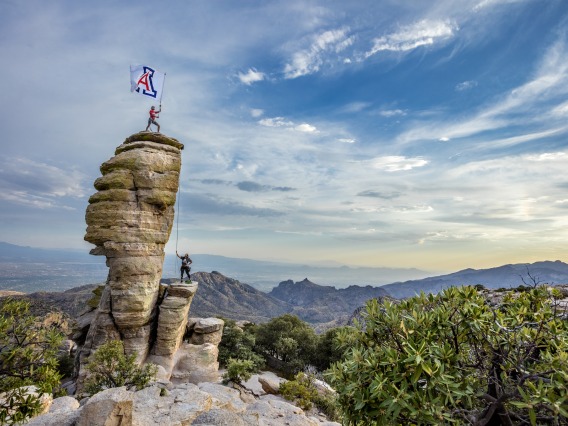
(177, 230)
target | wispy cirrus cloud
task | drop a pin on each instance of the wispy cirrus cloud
(36, 184)
(310, 60)
(396, 163)
(466, 85)
(410, 37)
(251, 76)
(282, 122)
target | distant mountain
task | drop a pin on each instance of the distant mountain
(503, 276)
(31, 269)
(321, 304)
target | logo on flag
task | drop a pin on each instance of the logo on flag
(146, 81)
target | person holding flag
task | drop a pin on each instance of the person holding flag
(152, 118)
(148, 82)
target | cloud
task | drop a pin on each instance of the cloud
(209, 204)
(275, 122)
(215, 182)
(346, 140)
(392, 113)
(250, 186)
(252, 76)
(355, 107)
(410, 37)
(376, 194)
(35, 184)
(255, 112)
(306, 128)
(395, 163)
(282, 122)
(444, 139)
(310, 60)
(466, 85)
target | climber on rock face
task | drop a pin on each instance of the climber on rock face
(185, 262)
(152, 119)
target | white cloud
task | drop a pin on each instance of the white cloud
(392, 113)
(355, 107)
(309, 61)
(306, 128)
(255, 113)
(275, 122)
(346, 140)
(410, 37)
(548, 156)
(395, 163)
(466, 85)
(444, 139)
(252, 76)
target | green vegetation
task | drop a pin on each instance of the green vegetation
(304, 393)
(28, 356)
(109, 367)
(453, 359)
(238, 343)
(288, 340)
(239, 370)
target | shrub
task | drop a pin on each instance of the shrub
(289, 340)
(452, 359)
(109, 367)
(304, 393)
(28, 356)
(239, 370)
(238, 344)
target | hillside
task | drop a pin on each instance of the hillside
(321, 304)
(551, 272)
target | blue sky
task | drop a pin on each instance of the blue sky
(380, 133)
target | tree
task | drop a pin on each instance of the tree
(109, 367)
(288, 339)
(239, 344)
(451, 358)
(28, 356)
(239, 370)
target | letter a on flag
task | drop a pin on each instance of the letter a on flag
(146, 81)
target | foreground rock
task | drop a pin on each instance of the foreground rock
(186, 404)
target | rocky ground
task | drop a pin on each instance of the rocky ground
(163, 403)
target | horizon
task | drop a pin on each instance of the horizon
(368, 134)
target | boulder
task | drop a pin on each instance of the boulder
(111, 407)
(196, 364)
(270, 384)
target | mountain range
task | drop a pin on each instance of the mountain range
(549, 272)
(30, 269)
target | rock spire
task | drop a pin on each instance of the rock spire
(129, 220)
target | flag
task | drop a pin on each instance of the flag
(147, 81)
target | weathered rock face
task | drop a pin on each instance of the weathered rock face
(129, 220)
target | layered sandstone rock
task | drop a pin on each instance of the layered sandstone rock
(129, 220)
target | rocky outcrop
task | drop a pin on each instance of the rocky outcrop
(186, 404)
(129, 220)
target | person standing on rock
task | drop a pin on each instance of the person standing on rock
(185, 262)
(152, 119)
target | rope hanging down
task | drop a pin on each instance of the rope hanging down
(177, 229)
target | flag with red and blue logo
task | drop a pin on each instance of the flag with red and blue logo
(147, 81)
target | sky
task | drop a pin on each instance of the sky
(368, 133)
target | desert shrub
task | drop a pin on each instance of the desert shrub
(238, 344)
(328, 349)
(239, 370)
(453, 359)
(28, 356)
(304, 393)
(93, 302)
(289, 340)
(109, 367)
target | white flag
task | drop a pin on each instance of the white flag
(146, 81)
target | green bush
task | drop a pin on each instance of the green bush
(303, 392)
(453, 359)
(109, 367)
(290, 340)
(238, 344)
(239, 370)
(28, 356)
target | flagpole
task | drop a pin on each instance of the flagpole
(162, 94)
